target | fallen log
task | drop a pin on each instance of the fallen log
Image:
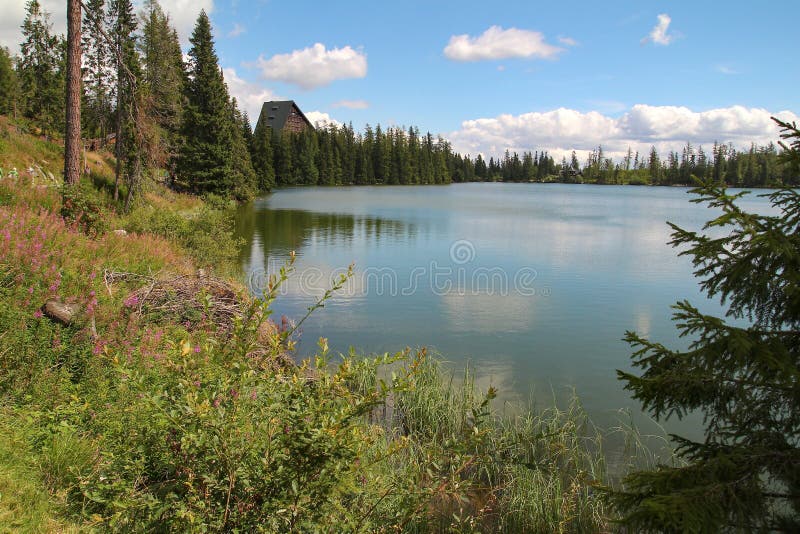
(59, 312)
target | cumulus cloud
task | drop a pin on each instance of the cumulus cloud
(314, 66)
(250, 96)
(237, 30)
(351, 104)
(12, 14)
(667, 128)
(183, 14)
(658, 35)
(318, 118)
(497, 43)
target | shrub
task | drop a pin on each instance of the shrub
(206, 233)
(83, 206)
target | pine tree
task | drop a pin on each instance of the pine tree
(745, 474)
(205, 158)
(72, 135)
(41, 70)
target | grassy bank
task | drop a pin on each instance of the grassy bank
(167, 403)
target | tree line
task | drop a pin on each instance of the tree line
(336, 155)
(170, 115)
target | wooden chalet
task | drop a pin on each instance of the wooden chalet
(283, 115)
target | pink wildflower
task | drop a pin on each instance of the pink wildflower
(37, 314)
(131, 301)
(197, 349)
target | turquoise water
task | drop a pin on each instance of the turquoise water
(533, 285)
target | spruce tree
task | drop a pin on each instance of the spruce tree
(206, 157)
(41, 70)
(243, 178)
(125, 60)
(745, 380)
(8, 83)
(164, 78)
(97, 77)
(262, 157)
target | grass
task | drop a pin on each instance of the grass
(26, 505)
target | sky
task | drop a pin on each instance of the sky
(518, 75)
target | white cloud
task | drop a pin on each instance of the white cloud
(318, 118)
(667, 128)
(497, 43)
(567, 41)
(12, 14)
(314, 66)
(250, 96)
(658, 35)
(183, 14)
(725, 69)
(352, 104)
(237, 30)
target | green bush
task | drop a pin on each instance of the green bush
(207, 233)
(83, 206)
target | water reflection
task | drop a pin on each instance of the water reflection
(599, 254)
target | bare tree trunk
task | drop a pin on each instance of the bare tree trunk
(72, 137)
(118, 143)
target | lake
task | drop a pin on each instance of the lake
(532, 285)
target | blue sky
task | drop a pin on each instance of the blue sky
(510, 74)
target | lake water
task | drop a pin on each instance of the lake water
(533, 285)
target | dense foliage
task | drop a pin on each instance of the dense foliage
(745, 475)
(336, 155)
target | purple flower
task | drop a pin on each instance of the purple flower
(37, 314)
(131, 301)
(196, 349)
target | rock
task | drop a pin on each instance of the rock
(58, 311)
(121, 232)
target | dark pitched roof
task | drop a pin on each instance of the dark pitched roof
(276, 112)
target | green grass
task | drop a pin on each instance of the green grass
(26, 505)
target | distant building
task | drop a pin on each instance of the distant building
(283, 115)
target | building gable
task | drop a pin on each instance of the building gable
(283, 115)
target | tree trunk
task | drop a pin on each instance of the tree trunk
(72, 137)
(118, 141)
